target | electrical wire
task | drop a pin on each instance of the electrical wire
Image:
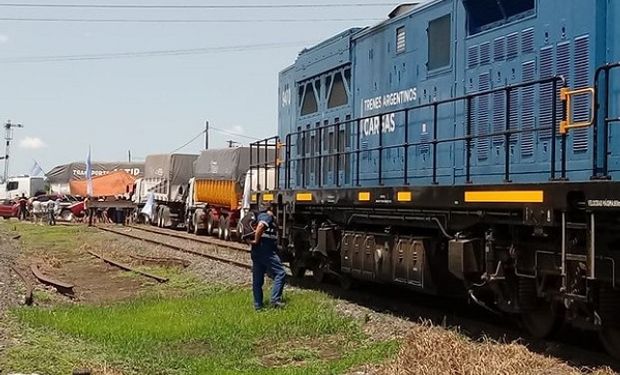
(189, 142)
(189, 6)
(233, 134)
(126, 20)
(154, 53)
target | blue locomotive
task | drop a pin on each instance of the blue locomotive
(460, 146)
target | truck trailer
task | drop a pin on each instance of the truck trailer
(165, 178)
(215, 196)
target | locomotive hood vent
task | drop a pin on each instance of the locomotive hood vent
(402, 9)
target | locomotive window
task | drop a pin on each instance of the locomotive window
(485, 14)
(12, 185)
(347, 77)
(439, 43)
(401, 42)
(309, 105)
(338, 93)
(518, 7)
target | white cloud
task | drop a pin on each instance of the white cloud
(32, 143)
(3, 38)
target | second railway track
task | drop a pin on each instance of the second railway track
(218, 251)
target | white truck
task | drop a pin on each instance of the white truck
(22, 185)
(166, 177)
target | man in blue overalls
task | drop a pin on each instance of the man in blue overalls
(265, 259)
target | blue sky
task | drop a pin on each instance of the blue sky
(152, 104)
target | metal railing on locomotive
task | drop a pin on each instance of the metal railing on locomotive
(555, 83)
(261, 150)
(603, 171)
(558, 86)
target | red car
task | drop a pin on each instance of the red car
(77, 209)
(9, 208)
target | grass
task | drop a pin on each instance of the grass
(49, 240)
(217, 333)
(181, 327)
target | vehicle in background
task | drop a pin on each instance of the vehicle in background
(166, 177)
(9, 208)
(65, 205)
(215, 194)
(22, 185)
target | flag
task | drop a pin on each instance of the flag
(36, 169)
(89, 175)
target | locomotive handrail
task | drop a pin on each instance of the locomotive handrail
(341, 150)
(567, 96)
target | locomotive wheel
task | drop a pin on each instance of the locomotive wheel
(318, 273)
(541, 322)
(609, 309)
(346, 282)
(610, 338)
(297, 270)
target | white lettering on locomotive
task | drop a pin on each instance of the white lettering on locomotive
(385, 124)
(390, 100)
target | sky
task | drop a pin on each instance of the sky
(154, 104)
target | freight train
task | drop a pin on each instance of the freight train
(460, 147)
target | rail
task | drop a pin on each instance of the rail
(341, 155)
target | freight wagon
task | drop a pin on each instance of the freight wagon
(165, 179)
(460, 147)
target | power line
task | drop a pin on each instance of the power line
(189, 142)
(126, 20)
(154, 53)
(232, 133)
(189, 6)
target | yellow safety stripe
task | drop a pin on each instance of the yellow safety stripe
(510, 196)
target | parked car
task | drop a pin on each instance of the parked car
(77, 210)
(9, 208)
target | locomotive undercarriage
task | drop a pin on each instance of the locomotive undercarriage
(547, 275)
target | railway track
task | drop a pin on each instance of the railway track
(236, 256)
(205, 240)
(576, 348)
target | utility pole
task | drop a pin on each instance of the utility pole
(206, 135)
(129, 155)
(8, 127)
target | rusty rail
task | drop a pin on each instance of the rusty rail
(61, 286)
(29, 297)
(128, 268)
(164, 261)
(181, 249)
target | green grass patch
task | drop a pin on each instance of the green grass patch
(212, 333)
(49, 240)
